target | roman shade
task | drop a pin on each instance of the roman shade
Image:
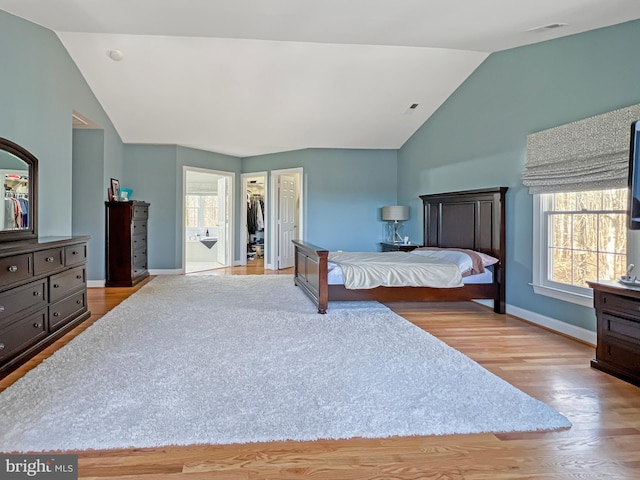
(588, 154)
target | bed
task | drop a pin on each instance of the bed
(471, 219)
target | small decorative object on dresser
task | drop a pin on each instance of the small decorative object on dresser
(395, 247)
(618, 327)
(126, 242)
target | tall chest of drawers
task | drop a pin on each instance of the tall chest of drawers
(126, 243)
(43, 294)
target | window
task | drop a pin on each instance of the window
(579, 236)
(202, 211)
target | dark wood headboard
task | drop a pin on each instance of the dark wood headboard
(473, 219)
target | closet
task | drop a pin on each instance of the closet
(15, 208)
(256, 218)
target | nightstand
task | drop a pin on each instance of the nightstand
(395, 247)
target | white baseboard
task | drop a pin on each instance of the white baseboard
(95, 283)
(175, 271)
(579, 333)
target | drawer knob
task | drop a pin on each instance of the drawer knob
(55, 285)
(37, 325)
(74, 253)
(49, 259)
(78, 276)
(79, 302)
(1, 346)
(56, 314)
(36, 293)
(13, 268)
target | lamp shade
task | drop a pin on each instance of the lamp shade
(395, 212)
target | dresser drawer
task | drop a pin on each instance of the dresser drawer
(140, 258)
(22, 334)
(139, 227)
(624, 357)
(64, 311)
(140, 212)
(617, 304)
(139, 241)
(75, 254)
(62, 283)
(622, 328)
(15, 269)
(32, 295)
(47, 261)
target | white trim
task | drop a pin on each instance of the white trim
(231, 200)
(585, 300)
(273, 202)
(553, 324)
(175, 271)
(541, 286)
(96, 283)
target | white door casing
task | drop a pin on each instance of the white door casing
(286, 220)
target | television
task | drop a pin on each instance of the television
(634, 177)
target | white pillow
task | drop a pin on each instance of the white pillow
(461, 259)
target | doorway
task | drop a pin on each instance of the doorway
(207, 219)
(287, 221)
(254, 236)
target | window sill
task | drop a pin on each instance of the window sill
(580, 299)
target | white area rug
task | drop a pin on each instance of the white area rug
(218, 360)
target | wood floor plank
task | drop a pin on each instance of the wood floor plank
(602, 443)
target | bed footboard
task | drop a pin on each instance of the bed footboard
(310, 274)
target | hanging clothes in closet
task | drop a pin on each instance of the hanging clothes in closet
(255, 214)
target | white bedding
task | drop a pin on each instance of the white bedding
(462, 261)
(364, 270)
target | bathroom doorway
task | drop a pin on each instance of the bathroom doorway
(207, 219)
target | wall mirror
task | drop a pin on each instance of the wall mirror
(19, 179)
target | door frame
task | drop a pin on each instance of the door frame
(243, 213)
(231, 202)
(272, 263)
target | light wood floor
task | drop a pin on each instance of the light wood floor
(604, 441)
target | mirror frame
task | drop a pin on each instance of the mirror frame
(32, 162)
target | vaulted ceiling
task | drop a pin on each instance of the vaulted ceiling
(248, 77)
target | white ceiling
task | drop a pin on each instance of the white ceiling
(247, 77)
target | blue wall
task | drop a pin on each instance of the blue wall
(40, 87)
(154, 172)
(344, 191)
(478, 137)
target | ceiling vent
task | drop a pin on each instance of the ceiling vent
(411, 109)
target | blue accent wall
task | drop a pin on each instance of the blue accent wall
(477, 138)
(344, 192)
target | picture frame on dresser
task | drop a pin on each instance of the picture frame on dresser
(115, 190)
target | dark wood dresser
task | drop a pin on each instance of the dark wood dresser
(126, 243)
(395, 247)
(43, 294)
(618, 327)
